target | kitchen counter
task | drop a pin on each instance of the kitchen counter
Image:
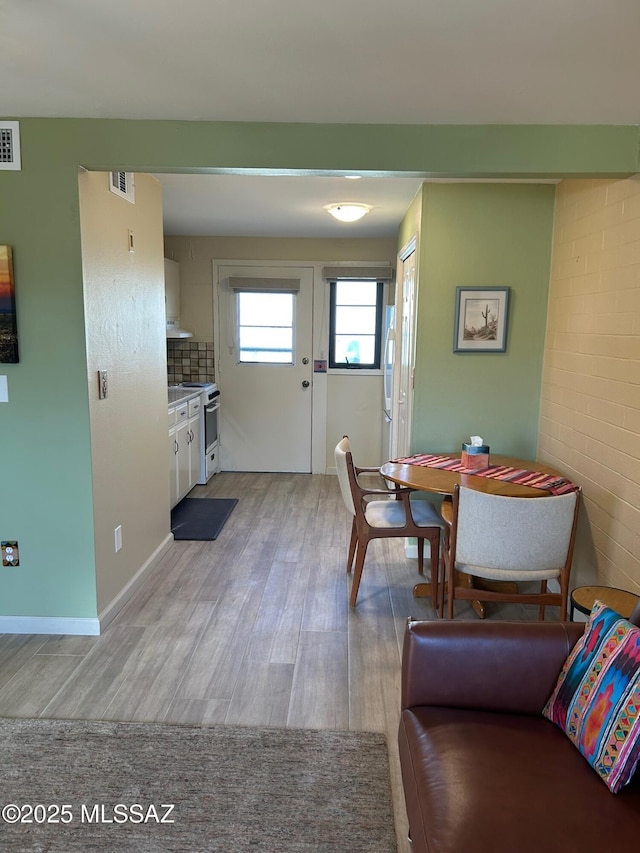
(179, 395)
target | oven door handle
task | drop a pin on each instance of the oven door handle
(213, 408)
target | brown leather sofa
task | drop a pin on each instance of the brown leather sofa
(483, 771)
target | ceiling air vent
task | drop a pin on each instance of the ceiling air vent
(121, 183)
(10, 145)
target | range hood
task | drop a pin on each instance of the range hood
(174, 330)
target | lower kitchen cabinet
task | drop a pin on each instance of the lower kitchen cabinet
(173, 469)
(185, 427)
(195, 440)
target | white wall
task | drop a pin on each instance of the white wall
(125, 335)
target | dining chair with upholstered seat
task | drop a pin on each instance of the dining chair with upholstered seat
(381, 513)
(513, 540)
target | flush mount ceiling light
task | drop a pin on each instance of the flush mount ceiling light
(348, 211)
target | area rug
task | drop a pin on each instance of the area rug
(75, 786)
(201, 518)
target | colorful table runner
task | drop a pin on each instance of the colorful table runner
(537, 480)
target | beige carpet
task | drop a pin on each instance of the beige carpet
(69, 786)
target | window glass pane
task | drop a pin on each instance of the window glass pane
(356, 292)
(264, 357)
(252, 337)
(265, 309)
(355, 320)
(355, 349)
(265, 327)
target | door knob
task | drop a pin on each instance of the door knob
(305, 383)
(305, 360)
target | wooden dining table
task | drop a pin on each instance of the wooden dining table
(441, 482)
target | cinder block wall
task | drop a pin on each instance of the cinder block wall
(590, 408)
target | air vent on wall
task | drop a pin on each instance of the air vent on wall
(121, 183)
(10, 145)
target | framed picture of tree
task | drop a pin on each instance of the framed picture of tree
(481, 319)
(8, 323)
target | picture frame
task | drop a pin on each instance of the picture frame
(8, 319)
(481, 319)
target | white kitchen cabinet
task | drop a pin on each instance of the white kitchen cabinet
(183, 459)
(185, 426)
(173, 468)
(195, 440)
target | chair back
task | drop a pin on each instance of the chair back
(515, 534)
(344, 461)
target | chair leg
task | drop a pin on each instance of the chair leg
(435, 572)
(564, 602)
(443, 584)
(420, 556)
(361, 552)
(443, 565)
(352, 545)
(543, 588)
(451, 585)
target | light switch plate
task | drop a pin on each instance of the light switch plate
(4, 390)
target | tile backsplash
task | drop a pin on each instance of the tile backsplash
(189, 361)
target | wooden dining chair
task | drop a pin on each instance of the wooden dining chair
(517, 540)
(381, 512)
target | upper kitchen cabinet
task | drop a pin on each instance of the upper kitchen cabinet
(172, 300)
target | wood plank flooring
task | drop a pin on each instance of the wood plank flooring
(252, 629)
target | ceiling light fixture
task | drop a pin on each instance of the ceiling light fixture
(348, 211)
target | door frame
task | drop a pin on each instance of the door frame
(410, 248)
(319, 380)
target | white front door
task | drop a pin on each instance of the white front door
(265, 367)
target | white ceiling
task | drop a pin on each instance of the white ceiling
(343, 61)
(264, 206)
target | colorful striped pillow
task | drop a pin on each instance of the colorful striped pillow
(596, 701)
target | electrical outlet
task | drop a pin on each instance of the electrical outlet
(10, 553)
(117, 538)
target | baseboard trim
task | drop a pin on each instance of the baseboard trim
(80, 626)
(49, 625)
(115, 605)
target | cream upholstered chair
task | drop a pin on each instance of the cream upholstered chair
(497, 538)
(395, 515)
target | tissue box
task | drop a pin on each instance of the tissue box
(475, 456)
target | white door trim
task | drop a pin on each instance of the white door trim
(409, 249)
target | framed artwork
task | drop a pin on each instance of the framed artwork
(8, 323)
(481, 319)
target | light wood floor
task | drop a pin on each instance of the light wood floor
(252, 629)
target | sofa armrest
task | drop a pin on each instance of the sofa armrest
(492, 666)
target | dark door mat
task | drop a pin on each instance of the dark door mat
(200, 518)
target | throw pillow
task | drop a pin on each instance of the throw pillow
(596, 700)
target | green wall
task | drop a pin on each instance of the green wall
(47, 497)
(482, 235)
(46, 503)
